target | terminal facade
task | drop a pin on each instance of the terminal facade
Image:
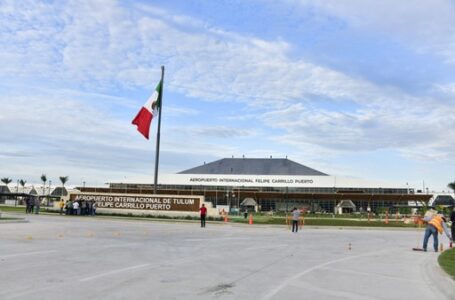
(277, 185)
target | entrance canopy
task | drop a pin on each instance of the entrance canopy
(248, 202)
(346, 204)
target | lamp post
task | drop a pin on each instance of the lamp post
(49, 192)
(17, 192)
(233, 197)
(229, 197)
(238, 202)
(227, 200)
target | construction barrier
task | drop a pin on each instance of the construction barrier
(225, 216)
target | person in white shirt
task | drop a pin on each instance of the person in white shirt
(76, 207)
(295, 219)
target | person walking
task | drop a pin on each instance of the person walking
(436, 224)
(295, 219)
(203, 211)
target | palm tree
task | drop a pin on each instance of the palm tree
(44, 179)
(22, 182)
(451, 186)
(6, 181)
(63, 179)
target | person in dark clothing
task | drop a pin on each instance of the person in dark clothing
(295, 219)
(83, 208)
(27, 204)
(69, 207)
(32, 205)
(452, 219)
(203, 211)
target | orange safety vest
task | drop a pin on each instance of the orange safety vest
(436, 221)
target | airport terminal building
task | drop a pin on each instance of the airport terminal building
(275, 184)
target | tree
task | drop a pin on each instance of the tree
(6, 181)
(451, 186)
(63, 179)
(22, 182)
(44, 179)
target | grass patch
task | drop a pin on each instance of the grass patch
(277, 219)
(9, 219)
(12, 208)
(447, 262)
(261, 219)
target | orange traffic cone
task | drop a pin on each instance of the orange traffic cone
(225, 218)
(250, 221)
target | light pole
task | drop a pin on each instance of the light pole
(238, 203)
(49, 192)
(233, 197)
(227, 200)
(229, 197)
(17, 192)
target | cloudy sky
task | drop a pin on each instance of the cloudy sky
(355, 88)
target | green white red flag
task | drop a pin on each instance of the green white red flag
(147, 112)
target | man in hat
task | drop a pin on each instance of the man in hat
(436, 224)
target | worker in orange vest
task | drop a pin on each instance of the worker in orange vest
(436, 224)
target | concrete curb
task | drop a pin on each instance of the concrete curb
(13, 221)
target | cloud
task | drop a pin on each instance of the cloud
(98, 48)
(425, 26)
(92, 50)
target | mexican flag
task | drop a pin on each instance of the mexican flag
(150, 109)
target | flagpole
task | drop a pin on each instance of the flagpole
(157, 154)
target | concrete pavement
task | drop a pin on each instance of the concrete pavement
(63, 257)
